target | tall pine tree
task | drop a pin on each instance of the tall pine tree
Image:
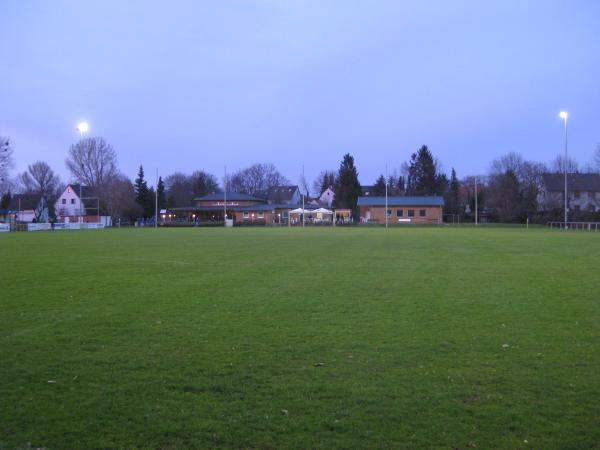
(347, 189)
(422, 177)
(379, 186)
(142, 194)
(452, 199)
(160, 189)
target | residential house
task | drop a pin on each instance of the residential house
(583, 191)
(25, 208)
(79, 203)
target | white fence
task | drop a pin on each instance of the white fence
(39, 226)
(78, 226)
(582, 226)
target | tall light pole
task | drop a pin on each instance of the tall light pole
(564, 115)
(83, 128)
(476, 217)
(386, 198)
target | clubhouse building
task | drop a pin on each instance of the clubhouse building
(417, 210)
(270, 207)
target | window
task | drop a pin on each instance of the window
(72, 201)
(422, 212)
(260, 215)
(389, 213)
(246, 214)
(64, 201)
(411, 213)
(400, 213)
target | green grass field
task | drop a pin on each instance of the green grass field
(292, 338)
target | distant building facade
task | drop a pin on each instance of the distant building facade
(583, 190)
(25, 208)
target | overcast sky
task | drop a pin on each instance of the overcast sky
(185, 85)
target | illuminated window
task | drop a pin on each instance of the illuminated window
(246, 214)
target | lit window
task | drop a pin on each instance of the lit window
(246, 214)
(261, 215)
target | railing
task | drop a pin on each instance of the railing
(582, 226)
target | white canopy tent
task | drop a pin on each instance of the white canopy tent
(322, 211)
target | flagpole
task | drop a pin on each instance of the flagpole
(225, 197)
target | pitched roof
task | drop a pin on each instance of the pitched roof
(367, 190)
(401, 201)
(231, 196)
(86, 191)
(555, 182)
(21, 202)
(278, 194)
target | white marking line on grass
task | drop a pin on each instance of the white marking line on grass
(144, 260)
(44, 325)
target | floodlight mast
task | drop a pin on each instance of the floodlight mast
(564, 115)
(386, 197)
(83, 128)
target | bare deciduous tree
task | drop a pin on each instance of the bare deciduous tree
(558, 165)
(120, 196)
(596, 162)
(256, 178)
(5, 163)
(93, 162)
(40, 179)
(323, 181)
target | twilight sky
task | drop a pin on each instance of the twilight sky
(184, 85)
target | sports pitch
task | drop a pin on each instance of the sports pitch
(292, 338)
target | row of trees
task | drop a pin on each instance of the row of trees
(510, 189)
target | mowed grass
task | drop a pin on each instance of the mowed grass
(292, 338)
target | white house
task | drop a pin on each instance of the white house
(326, 197)
(70, 208)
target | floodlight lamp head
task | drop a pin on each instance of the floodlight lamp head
(83, 127)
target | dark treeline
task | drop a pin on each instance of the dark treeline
(509, 192)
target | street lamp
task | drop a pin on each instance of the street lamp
(564, 115)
